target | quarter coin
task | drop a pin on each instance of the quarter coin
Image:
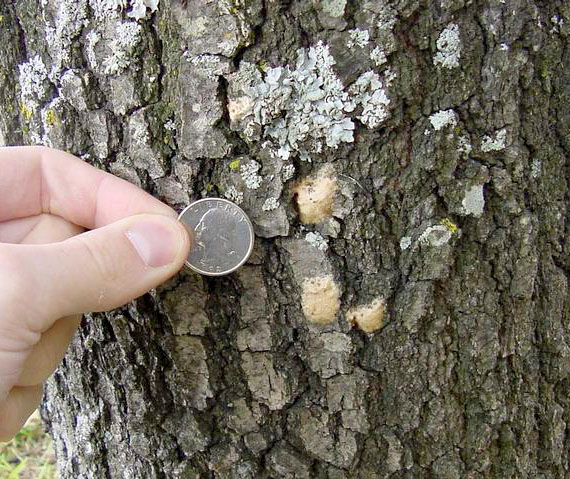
(223, 236)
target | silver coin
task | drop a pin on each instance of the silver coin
(223, 236)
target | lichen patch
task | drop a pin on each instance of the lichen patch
(320, 299)
(33, 83)
(368, 317)
(474, 202)
(127, 37)
(334, 8)
(443, 118)
(138, 10)
(448, 47)
(436, 235)
(304, 109)
(358, 38)
(315, 197)
(497, 142)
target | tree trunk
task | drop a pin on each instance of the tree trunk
(405, 312)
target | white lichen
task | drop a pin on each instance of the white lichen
(250, 176)
(358, 38)
(139, 7)
(535, 169)
(405, 242)
(443, 118)
(92, 38)
(33, 81)
(287, 172)
(127, 37)
(386, 20)
(234, 195)
(474, 202)
(448, 47)
(436, 235)
(378, 56)
(69, 19)
(557, 23)
(284, 152)
(497, 142)
(107, 9)
(270, 204)
(367, 91)
(389, 76)
(317, 240)
(138, 131)
(170, 125)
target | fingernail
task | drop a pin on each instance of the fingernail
(156, 242)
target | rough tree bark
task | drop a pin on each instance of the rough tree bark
(404, 162)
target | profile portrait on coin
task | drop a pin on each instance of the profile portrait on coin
(214, 238)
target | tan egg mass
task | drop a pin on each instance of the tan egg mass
(320, 299)
(368, 317)
(315, 196)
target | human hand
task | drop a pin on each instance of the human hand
(51, 271)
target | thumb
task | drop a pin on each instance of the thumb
(102, 269)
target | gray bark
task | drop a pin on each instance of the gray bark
(453, 225)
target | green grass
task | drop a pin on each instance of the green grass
(29, 455)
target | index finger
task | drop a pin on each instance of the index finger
(36, 179)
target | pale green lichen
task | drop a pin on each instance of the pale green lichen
(405, 242)
(317, 240)
(378, 56)
(287, 172)
(92, 38)
(33, 81)
(535, 169)
(442, 119)
(69, 19)
(358, 38)
(270, 204)
(436, 235)
(139, 8)
(334, 8)
(234, 195)
(250, 176)
(474, 202)
(127, 37)
(303, 109)
(106, 9)
(368, 92)
(448, 47)
(497, 142)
